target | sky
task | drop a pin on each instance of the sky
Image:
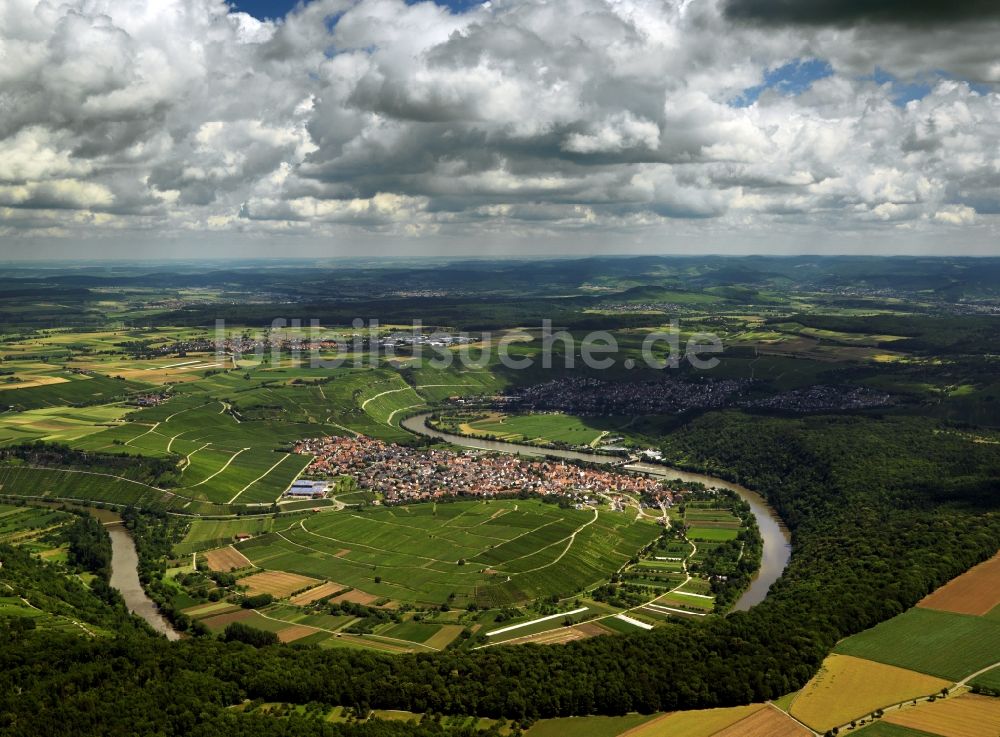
(185, 128)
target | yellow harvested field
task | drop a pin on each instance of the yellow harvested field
(961, 716)
(226, 559)
(769, 722)
(700, 723)
(444, 636)
(315, 594)
(356, 597)
(276, 583)
(28, 381)
(216, 607)
(976, 591)
(557, 636)
(847, 688)
(296, 632)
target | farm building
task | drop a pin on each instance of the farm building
(307, 489)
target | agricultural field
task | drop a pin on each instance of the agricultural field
(976, 592)
(535, 429)
(493, 553)
(225, 559)
(64, 388)
(59, 424)
(278, 584)
(222, 460)
(885, 729)
(967, 715)
(990, 679)
(699, 723)
(16, 607)
(767, 722)
(594, 726)
(848, 688)
(203, 534)
(942, 644)
(18, 525)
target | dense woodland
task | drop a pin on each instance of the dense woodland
(882, 511)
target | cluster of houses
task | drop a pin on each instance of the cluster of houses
(595, 397)
(821, 398)
(403, 474)
(149, 400)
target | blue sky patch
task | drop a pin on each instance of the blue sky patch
(792, 78)
(902, 92)
(277, 9)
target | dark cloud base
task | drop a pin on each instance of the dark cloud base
(856, 12)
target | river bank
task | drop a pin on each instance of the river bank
(777, 539)
(125, 578)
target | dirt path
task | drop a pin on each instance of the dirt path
(231, 459)
(280, 461)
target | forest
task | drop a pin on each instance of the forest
(882, 510)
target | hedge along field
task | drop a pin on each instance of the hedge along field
(415, 550)
(937, 643)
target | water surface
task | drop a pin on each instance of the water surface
(125, 578)
(777, 540)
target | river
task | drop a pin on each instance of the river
(125, 578)
(777, 540)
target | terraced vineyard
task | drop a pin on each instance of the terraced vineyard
(492, 553)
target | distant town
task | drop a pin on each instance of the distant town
(403, 474)
(598, 398)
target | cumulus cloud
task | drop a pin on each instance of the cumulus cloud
(525, 119)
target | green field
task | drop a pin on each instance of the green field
(58, 424)
(204, 534)
(712, 534)
(71, 389)
(594, 726)
(538, 429)
(17, 523)
(937, 643)
(885, 729)
(990, 679)
(513, 550)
